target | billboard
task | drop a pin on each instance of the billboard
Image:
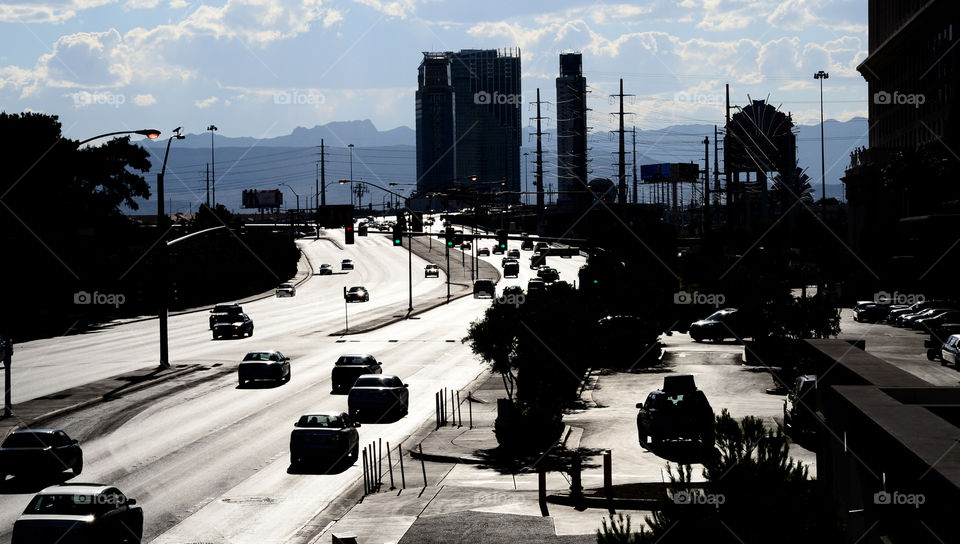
(253, 198)
(665, 171)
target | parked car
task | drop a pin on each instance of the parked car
(871, 312)
(223, 311)
(526, 244)
(483, 252)
(896, 316)
(264, 365)
(678, 411)
(233, 325)
(350, 367)
(548, 274)
(720, 325)
(927, 323)
(346, 264)
(536, 285)
(907, 321)
(286, 290)
(484, 288)
(357, 294)
(948, 353)
(378, 395)
(39, 452)
(511, 269)
(940, 333)
(79, 513)
(431, 271)
(327, 437)
(326, 270)
(800, 407)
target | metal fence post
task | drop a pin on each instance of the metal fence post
(366, 480)
(422, 465)
(403, 479)
(390, 466)
(459, 410)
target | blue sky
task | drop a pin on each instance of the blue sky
(261, 68)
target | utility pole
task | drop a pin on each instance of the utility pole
(538, 179)
(526, 176)
(208, 184)
(634, 165)
(323, 176)
(621, 154)
(706, 184)
(716, 169)
(213, 164)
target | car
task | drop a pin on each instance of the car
(497, 250)
(548, 274)
(351, 366)
(898, 312)
(324, 436)
(540, 246)
(526, 244)
(678, 411)
(81, 512)
(907, 321)
(484, 288)
(346, 264)
(237, 325)
(431, 271)
(325, 270)
(871, 312)
(483, 252)
(512, 290)
(38, 453)
(286, 290)
(221, 310)
(264, 365)
(466, 245)
(511, 269)
(948, 353)
(800, 407)
(505, 260)
(357, 294)
(928, 323)
(537, 260)
(515, 253)
(374, 396)
(536, 285)
(720, 325)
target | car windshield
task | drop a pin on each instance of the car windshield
(258, 356)
(377, 381)
(321, 421)
(285, 286)
(356, 289)
(351, 360)
(28, 440)
(717, 316)
(66, 504)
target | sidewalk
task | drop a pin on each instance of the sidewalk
(466, 497)
(35, 412)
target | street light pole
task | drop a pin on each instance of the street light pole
(150, 133)
(164, 255)
(213, 165)
(821, 75)
(351, 176)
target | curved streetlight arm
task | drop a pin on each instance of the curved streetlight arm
(151, 133)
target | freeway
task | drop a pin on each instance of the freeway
(208, 461)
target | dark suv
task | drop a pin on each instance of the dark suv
(484, 288)
(679, 411)
(350, 367)
(224, 312)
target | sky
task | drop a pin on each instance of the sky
(261, 68)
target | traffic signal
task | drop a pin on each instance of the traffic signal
(397, 235)
(502, 239)
(348, 234)
(448, 236)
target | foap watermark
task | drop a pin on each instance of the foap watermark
(108, 299)
(885, 98)
(714, 299)
(85, 98)
(496, 98)
(698, 498)
(297, 98)
(905, 299)
(105, 499)
(886, 498)
(698, 98)
(513, 300)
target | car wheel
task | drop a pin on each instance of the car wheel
(243, 382)
(216, 337)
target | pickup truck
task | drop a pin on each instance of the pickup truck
(349, 367)
(39, 452)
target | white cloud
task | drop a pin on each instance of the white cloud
(50, 11)
(397, 8)
(144, 100)
(206, 102)
(141, 4)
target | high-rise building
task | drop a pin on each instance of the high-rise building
(571, 131)
(475, 96)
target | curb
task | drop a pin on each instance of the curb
(90, 402)
(603, 502)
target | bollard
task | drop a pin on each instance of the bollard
(608, 474)
(422, 465)
(403, 479)
(459, 410)
(576, 487)
(380, 464)
(470, 410)
(366, 481)
(436, 407)
(453, 410)
(443, 406)
(390, 466)
(542, 488)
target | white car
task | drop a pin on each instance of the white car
(431, 271)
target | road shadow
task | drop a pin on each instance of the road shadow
(680, 451)
(261, 384)
(556, 459)
(320, 467)
(24, 484)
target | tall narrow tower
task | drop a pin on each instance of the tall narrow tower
(571, 131)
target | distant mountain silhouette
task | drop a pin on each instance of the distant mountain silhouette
(336, 134)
